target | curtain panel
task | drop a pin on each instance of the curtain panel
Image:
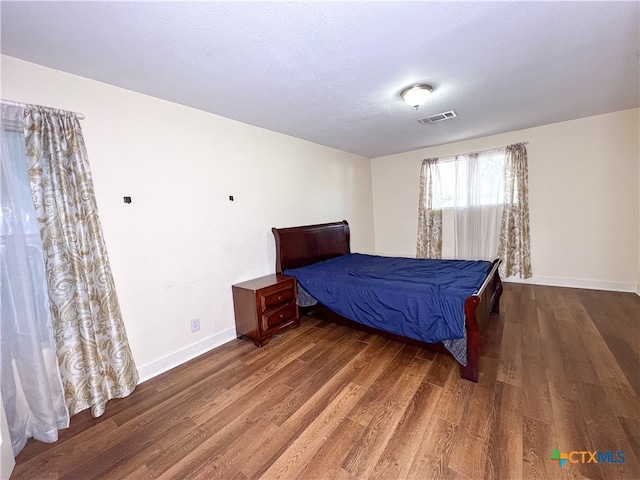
(429, 211)
(32, 393)
(514, 246)
(96, 363)
(477, 203)
(477, 231)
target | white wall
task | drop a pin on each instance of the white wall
(583, 199)
(180, 245)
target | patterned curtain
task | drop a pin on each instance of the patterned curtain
(514, 247)
(95, 360)
(430, 211)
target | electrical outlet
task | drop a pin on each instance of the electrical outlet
(195, 325)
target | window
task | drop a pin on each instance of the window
(16, 186)
(472, 180)
(485, 197)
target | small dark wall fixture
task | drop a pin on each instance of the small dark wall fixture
(127, 199)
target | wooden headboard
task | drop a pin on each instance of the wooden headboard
(301, 246)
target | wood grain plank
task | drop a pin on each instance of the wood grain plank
(621, 395)
(301, 451)
(632, 433)
(572, 434)
(538, 443)
(365, 410)
(579, 314)
(402, 448)
(492, 336)
(472, 436)
(136, 440)
(200, 367)
(362, 459)
(605, 431)
(215, 434)
(54, 457)
(504, 449)
(301, 417)
(327, 462)
(535, 391)
(313, 383)
(247, 440)
(454, 398)
(615, 316)
(433, 454)
(377, 363)
(571, 342)
(440, 369)
(510, 362)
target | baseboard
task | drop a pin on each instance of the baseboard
(577, 283)
(155, 368)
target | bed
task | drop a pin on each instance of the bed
(308, 252)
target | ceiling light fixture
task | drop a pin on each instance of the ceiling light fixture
(416, 95)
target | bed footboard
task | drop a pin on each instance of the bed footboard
(478, 308)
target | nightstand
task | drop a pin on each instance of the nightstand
(264, 306)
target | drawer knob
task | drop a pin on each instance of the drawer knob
(279, 297)
(281, 315)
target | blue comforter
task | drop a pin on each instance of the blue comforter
(421, 299)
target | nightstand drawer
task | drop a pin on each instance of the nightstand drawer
(276, 318)
(278, 297)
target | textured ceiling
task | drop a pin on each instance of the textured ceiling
(331, 72)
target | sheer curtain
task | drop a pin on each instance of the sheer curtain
(477, 208)
(32, 392)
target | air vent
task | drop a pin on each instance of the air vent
(439, 117)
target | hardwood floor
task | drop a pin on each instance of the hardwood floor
(560, 370)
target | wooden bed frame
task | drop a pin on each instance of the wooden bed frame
(304, 245)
